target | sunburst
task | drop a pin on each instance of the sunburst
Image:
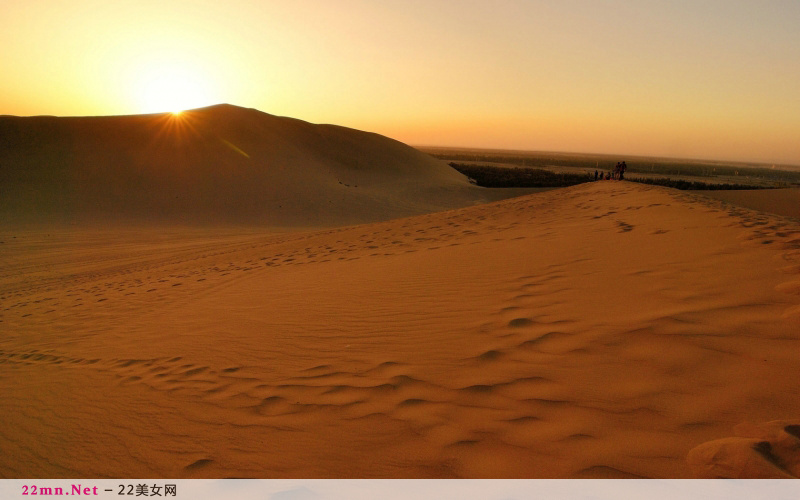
(170, 87)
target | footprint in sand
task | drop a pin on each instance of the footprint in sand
(624, 227)
(520, 322)
(764, 451)
(198, 464)
(492, 355)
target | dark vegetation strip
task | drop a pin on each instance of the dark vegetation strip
(662, 167)
(507, 177)
(686, 185)
(491, 176)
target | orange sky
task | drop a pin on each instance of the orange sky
(711, 78)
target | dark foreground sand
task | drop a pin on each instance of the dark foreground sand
(605, 330)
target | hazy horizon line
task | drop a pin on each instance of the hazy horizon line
(751, 162)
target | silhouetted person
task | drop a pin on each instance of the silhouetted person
(622, 169)
(595, 175)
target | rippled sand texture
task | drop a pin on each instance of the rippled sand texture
(604, 330)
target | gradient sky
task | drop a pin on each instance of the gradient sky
(695, 78)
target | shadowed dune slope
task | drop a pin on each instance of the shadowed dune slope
(222, 163)
(609, 329)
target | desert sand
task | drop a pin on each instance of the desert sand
(604, 330)
(785, 201)
(221, 165)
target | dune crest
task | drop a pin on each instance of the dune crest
(218, 164)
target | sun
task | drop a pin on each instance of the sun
(173, 88)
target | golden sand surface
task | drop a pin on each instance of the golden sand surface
(604, 330)
(784, 201)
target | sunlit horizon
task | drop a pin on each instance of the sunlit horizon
(715, 80)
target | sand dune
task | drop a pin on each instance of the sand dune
(222, 164)
(604, 330)
(784, 202)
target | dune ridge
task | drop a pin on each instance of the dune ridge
(605, 330)
(221, 164)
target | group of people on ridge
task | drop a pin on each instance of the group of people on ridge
(617, 174)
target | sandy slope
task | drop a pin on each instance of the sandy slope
(221, 164)
(605, 330)
(784, 202)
